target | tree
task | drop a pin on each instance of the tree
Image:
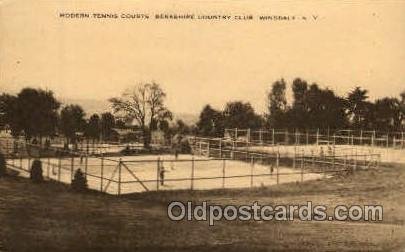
(323, 109)
(299, 107)
(277, 105)
(9, 116)
(79, 182)
(36, 112)
(143, 103)
(402, 109)
(357, 107)
(93, 127)
(107, 123)
(71, 121)
(238, 114)
(211, 122)
(387, 114)
(2, 165)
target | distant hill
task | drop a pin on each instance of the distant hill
(189, 119)
(92, 106)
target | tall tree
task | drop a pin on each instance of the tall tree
(357, 107)
(211, 122)
(402, 110)
(93, 127)
(324, 109)
(143, 103)
(238, 114)
(37, 112)
(299, 107)
(387, 114)
(277, 105)
(9, 117)
(107, 123)
(71, 121)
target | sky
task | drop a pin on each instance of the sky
(350, 43)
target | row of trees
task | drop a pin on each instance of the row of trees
(316, 107)
(36, 113)
(237, 114)
(311, 107)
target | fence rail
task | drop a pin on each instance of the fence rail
(317, 136)
(220, 168)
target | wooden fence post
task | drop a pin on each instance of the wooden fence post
(388, 141)
(47, 167)
(251, 171)
(72, 161)
(85, 166)
(102, 173)
(220, 148)
(119, 176)
(277, 167)
(158, 173)
(192, 173)
(345, 162)
(307, 137)
(223, 173)
(59, 167)
(302, 167)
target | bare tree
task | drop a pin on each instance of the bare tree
(143, 103)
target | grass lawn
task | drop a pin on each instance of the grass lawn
(48, 217)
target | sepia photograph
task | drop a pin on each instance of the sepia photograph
(191, 125)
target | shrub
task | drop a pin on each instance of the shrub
(79, 182)
(185, 146)
(2, 165)
(36, 171)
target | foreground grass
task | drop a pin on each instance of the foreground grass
(47, 217)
